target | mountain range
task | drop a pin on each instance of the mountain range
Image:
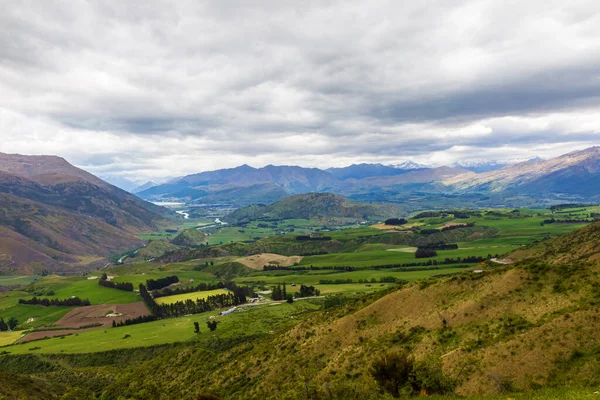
(571, 177)
(56, 217)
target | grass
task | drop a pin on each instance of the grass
(189, 296)
(17, 280)
(7, 338)
(256, 320)
(313, 278)
(370, 258)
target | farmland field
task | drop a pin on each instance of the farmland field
(249, 321)
(189, 296)
(7, 338)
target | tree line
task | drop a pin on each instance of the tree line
(157, 284)
(72, 302)
(203, 287)
(232, 298)
(133, 321)
(126, 286)
(10, 326)
(428, 263)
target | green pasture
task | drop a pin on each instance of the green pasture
(314, 277)
(248, 321)
(189, 296)
(370, 258)
(7, 338)
(17, 280)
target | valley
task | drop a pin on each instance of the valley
(354, 264)
(333, 284)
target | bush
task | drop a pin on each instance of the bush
(392, 372)
(423, 252)
(396, 221)
(398, 374)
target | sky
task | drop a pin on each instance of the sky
(158, 89)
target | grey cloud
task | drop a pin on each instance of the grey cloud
(228, 82)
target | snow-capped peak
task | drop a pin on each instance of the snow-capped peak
(409, 165)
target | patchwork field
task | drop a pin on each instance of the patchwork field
(248, 321)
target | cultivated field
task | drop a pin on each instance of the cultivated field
(189, 296)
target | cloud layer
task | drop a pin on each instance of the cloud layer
(168, 88)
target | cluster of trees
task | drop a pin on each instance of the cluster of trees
(126, 286)
(559, 207)
(232, 298)
(389, 279)
(346, 268)
(72, 302)
(308, 291)
(279, 292)
(430, 214)
(452, 227)
(429, 231)
(335, 281)
(566, 221)
(424, 252)
(156, 284)
(308, 237)
(440, 246)
(212, 325)
(396, 221)
(428, 263)
(11, 325)
(133, 321)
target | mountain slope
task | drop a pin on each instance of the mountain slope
(574, 173)
(360, 171)
(64, 218)
(286, 180)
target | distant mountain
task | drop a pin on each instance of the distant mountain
(313, 205)
(539, 180)
(574, 174)
(57, 217)
(360, 171)
(409, 165)
(120, 182)
(480, 166)
(143, 187)
(275, 181)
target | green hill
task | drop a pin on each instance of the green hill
(313, 205)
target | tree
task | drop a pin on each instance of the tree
(290, 298)
(196, 327)
(12, 323)
(3, 326)
(212, 325)
(284, 293)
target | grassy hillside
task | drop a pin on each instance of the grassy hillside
(312, 205)
(56, 217)
(579, 247)
(504, 330)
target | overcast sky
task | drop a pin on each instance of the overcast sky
(158, 89)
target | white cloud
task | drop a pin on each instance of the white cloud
(166, 89)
